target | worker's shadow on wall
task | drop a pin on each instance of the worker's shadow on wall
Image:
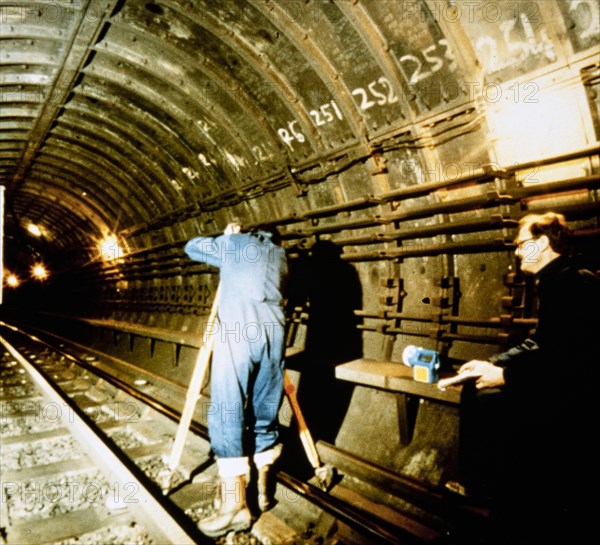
(330, 289)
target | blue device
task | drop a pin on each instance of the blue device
(425, 363)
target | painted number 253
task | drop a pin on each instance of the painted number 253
(431, 59)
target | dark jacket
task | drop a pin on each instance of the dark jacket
(566, 342)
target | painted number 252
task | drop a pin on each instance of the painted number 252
(377, 93)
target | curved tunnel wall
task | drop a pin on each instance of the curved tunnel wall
(410, 134)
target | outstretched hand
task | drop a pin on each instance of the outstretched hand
(490, 375)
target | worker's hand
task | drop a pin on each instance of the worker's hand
(232, 228)
(490, 375)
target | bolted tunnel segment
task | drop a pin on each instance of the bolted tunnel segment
(394, 144)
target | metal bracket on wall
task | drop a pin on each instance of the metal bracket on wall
(408, 406)
(300, 189)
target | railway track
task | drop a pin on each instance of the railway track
(61, 479)
(83, 452)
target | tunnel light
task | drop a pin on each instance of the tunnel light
(34, 230)
(12, 281)
(39, 272)
(535, 120)
(109, 248)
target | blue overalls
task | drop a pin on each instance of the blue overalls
(248, 354)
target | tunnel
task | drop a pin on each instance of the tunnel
(393, 144)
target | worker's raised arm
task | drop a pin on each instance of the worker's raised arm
(205, 249)
(210, 250)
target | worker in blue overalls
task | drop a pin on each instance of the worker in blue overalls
(247, 366)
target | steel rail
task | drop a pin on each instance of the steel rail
(379, 529)
(369, 525)
(156, 515)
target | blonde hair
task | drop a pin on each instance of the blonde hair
(551, 224)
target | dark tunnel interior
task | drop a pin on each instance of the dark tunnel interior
(394, 144)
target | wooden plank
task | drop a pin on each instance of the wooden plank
(200, 371)
(270, 529)
(62, 527)
(392, 376)
(78, 465)
(196, 494)
(38, 436)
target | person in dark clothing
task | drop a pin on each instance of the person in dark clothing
(247, 367)
(528, 420)
(331, 287)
